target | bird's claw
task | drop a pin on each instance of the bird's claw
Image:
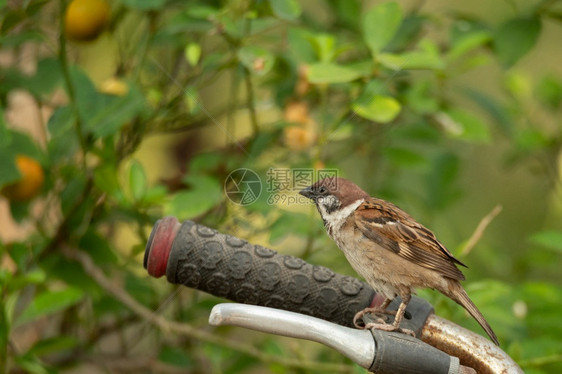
(359, 315)
(387, 327)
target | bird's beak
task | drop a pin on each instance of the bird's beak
(308, 192)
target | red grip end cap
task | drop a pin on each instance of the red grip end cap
(161, 245)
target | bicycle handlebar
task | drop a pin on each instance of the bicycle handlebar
(226, 266)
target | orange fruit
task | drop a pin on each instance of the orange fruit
(30, 183)
(298, 138)
(86, 19)
(296, 112)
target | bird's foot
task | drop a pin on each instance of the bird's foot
(357, 320)
(388, 327)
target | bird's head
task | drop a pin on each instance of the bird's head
(333, 194)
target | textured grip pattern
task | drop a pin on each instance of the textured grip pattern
(229, 267)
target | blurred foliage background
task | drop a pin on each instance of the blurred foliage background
(447, 109)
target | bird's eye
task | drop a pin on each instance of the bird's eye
(323, 189)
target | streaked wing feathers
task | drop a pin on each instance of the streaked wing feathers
(395, 230)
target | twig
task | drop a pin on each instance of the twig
(250, 100)
(172, 327)
(479, 231)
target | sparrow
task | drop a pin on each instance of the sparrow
(386, 246)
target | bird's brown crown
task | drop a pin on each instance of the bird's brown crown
(343, 189)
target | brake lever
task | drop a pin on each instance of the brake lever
(378, 351)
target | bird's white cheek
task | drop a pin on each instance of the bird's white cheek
(336, 218)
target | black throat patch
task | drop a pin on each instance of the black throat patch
(331, 204)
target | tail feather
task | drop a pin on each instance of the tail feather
(459, 295)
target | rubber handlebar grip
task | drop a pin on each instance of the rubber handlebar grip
(225, 266)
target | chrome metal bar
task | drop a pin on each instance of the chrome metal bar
(358, 345)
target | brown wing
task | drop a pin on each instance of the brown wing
(395, 230)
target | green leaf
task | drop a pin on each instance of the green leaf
(137, 180)
(342, 132)
(379, 108)
(550, 239)
(8, 170)
(514, 38)
(256, 59)
(324, 46)
(300, 44)
(408, 32)
(19, 252)
(72, 193)
(288, 10)
(380, 24)
(17, 39)
(348, 12)
(363, 68)
(61, 121)
(116, 111)
(22, 144)
(105, 178)
(155, 195)
(11, 19)
(331, 73)
(467, 43)
(464, 125)
(47, 77)
(19, 281)
(98, 247)
(425, 58)
(50, 302)
(463, 25)
(103, 115)
(31, 364)
(19, 210)
(205, 193)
